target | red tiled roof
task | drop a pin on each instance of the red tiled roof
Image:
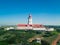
(23, 25)
(33, 25)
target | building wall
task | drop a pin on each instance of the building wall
(31, 28)
(39, 28)
(50, 29)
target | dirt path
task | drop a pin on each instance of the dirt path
(33, 38)
(56, 40)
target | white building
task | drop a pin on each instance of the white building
(9, 28)
(50, 29)
(38, 40)
(29, 25)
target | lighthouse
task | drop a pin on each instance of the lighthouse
(30, 26)
(30, 20)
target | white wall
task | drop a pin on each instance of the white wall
(51, 29)
(39, 29)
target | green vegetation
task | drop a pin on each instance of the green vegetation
(20, 37)
(58, 43)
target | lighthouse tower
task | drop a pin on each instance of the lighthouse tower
(30, 19)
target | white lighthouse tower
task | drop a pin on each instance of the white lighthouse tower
(30, 19)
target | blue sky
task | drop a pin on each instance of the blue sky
(42, 11)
